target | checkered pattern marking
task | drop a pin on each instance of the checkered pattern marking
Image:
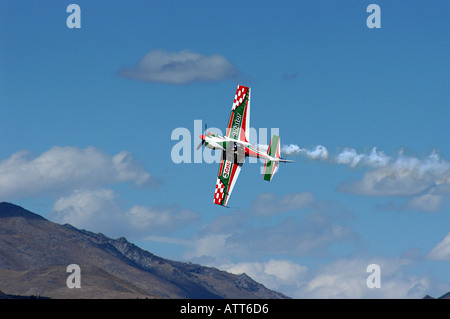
(239, 97)
(219, 194)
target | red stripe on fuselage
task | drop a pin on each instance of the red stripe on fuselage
(221, 167)
(249, 152)
(244, 122)
(229, 124)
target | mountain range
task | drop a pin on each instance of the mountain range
(35, 254)
(444, 296)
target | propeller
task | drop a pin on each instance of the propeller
(201, 144)
(203, 138)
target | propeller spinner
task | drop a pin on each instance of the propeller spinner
(203, 138)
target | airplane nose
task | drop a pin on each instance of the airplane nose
(202, 142)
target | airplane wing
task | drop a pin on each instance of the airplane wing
(238, 129)
(239, 124)
(228, 174)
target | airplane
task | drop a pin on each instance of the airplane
(236, 147)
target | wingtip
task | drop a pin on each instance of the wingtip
(221, 205)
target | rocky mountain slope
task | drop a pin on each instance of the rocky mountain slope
(35, 253)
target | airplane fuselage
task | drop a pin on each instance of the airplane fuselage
(235, 148)
(216, 141)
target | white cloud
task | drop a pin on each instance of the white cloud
(425, 182)
(268, 203)
(63, 169)
(406, 176)
(210, 245)
(280, 275)
(442, 250)
(160, 219)
(100, 210)
(304, 226)
(425, 202)
(350, 157)
(182, 67)
(97, 210)
(346, 278)
(341, 278)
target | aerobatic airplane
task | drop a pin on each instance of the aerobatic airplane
(235, 146)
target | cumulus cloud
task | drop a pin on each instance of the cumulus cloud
(63, 169)
(210, 246)
(312, 236)
(350, 157)
(425, 202)
(281, 275)
(160, 219)
(100, 210)
(342, 278)
(96, 210)
(339, 278)
(442, 250)
(406, 176)
(346, 278)
(426, 181)
(269, 204)
(304, 226)
(184, 67)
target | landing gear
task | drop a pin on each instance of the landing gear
(234, 153)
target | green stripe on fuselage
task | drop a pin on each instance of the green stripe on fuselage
(225, 179)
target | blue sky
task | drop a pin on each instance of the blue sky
(84, 142)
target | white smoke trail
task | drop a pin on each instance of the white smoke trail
(433, 164)
(319, 152)
(348, 156)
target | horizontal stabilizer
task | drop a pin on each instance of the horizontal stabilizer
(270, 168)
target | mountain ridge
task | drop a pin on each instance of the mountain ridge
(35, 252)
(444, 296)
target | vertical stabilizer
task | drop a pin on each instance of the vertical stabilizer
(271, 167)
